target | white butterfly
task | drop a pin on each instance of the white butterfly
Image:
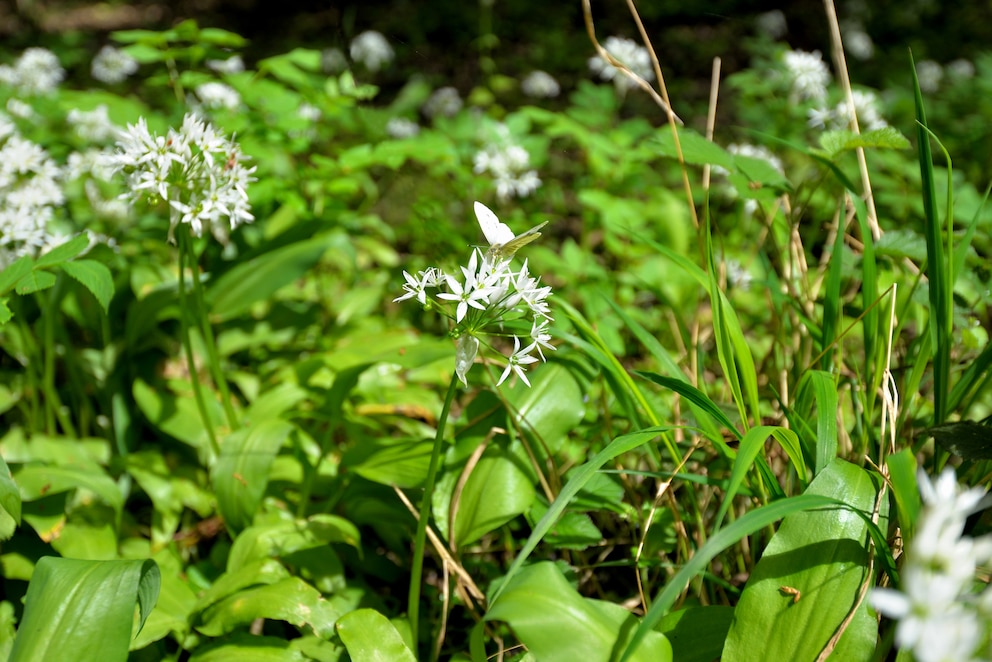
(502, 242)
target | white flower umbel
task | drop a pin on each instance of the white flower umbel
(37, 71)
(444, 102)
(30, 189)
(372, 50)
(401, 127)
(808, 74)
(112, 65)
(197, 171)
(93, 125)
(215, 95)
(540, 85)
(488, 300)
(630, 53)
(232, 65)
(509, 165)
(940, 617)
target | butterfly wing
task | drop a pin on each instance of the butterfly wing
(509, 248)
(497, 234)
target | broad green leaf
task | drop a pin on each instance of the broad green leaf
(176, 415)
(95, 277)
(496, 491)
(84, 610)
(10, 503)
(559, 625)
(175, 604)
(63, 252)
(38, 481)
(697, 633)
(241, 472)
(291, 600)
(401, 462)
(259, 278)
(902, 476)
(696, 149)
(244, 647)
(809, 577)
(371, 637)
(551, 408)
(262, 571)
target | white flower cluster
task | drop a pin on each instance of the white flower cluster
(372, 50)
(232, 65)
(540, 85)
(196, 170)
(93, 125)
(214, 95)
(444, 102)
(839, 117)
(509, 165)
(36, 71)
(488, 299)
(112, 65)
(930, 74)
(401, 127)
(940, 617)
(29, 191)
(808, 74)
(631, 54)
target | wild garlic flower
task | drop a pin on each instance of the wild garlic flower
(232, 65)
(857, 42)
(197, 171)
(808, 74)
(488, 299)
(509, 165)
(93, 125)
(36, 71)
(214, 95)
(30, 189)
(401, 127)
(540, 85)
(112, 65)
(631, 54)
(444, 102)
(773, 24)
(930, 74)
(961, 69)
(839, 117)
(940, 617)
(333, 61)
(372, 50)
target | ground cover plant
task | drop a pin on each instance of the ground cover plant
(296, 369)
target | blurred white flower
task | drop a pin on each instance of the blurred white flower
(333, 61)
(858, 43)
(772, 23)
(232, 65)
(36, 71)
(112, 65)
(930, 74)
(19, 108)
(29, 191)
(401, 127)
(509, 165)
(197, 171)
(628, 52)
(960, 69)
(214, 95)
(939, 616)
(540, 85)
(808, 74)
(92, 125)
(444, 102)
(372, 50)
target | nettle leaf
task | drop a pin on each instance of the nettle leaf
(95, 277)
(63, 252)
(836, 142)
(34, 282)
(15, 272)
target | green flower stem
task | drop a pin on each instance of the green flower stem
(208, 337)
(417, 571)
(201, 404)
(53, 405)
